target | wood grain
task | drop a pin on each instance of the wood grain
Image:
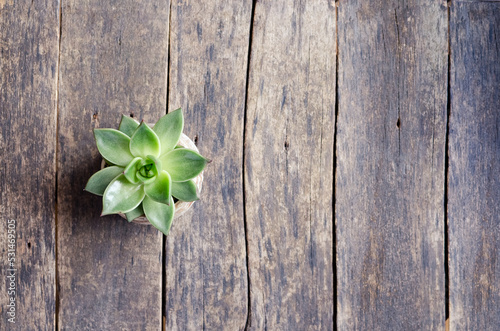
(474, 167)
(289, 166)
(113, 61)
(29, 34)
(205, 259)
(391, 164)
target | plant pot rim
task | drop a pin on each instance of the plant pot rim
(181, 207)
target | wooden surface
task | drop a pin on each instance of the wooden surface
(474, 167)
(390, 165)
(28, 93)
(355, 175)
(289, 166)
(205, 254)
(109, 271)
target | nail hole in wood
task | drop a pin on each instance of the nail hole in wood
(132, 115)
(287, 145)
(398, 123)
(29, 244)
(195, 140)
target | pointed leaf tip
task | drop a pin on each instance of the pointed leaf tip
(183, 164)
(144, 142)
(128, 125)
(159, 214)
(100, 180)
(169, 130)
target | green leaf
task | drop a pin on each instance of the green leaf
(183, 164)
(159, 214)
(159, 190)
(169, 129)
(132, 215)
(128, 125)
(185, 191)
(113, 146)
(121, 196)
(155, 164)
(100, 180)
(144, 142)
(145, 180)
(131, 170)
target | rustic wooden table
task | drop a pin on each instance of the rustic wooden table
(355, 182)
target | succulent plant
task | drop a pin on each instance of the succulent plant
(146, 169)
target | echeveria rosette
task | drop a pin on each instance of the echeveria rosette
(147, 169)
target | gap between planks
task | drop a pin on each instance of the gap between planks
(334, 177)
(56, 251)
(164, 238)
(249, 57)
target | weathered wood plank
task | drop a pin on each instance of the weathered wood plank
(29, 34)
(391, 164)
(205, 259)
(474, 167)
(113, 61)
(289, 165)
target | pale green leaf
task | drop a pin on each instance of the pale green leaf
(132, 215)
(184, 191)
(100, 180)
(144, 142)
(183, 164)
(145, 180)
(155, 165)
(128, 125)
(159, 190)
(159, 214)
(169, 129)
(131, 170)
(113, 146)
(121, 196)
